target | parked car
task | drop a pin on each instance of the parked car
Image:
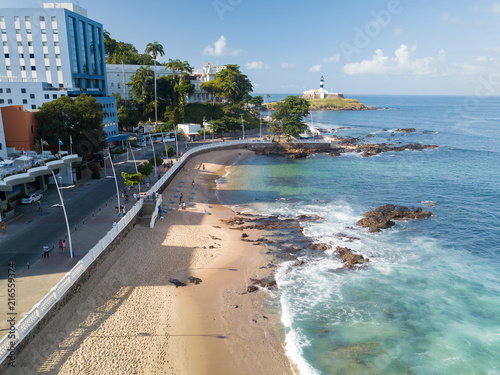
(31, 198)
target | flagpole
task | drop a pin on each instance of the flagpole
(70, 145)
(43, 159)
(59, 142)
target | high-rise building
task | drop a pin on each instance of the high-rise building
(50, 52)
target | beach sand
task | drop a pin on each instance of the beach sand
(129, 319)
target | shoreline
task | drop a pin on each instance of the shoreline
(128, 318)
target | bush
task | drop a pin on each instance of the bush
(96, 175)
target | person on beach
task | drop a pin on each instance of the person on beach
(60, 246)
(192, 183)
(183, 205)
(180, 199)
(64, 246)
(203, 166)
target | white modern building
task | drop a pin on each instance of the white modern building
(50, 52)
(115, 79)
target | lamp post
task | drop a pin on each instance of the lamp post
(154, 154)
(176, 144)
(243, 126)
(135, 163)
(116, 181)
(60, 182)
(71, 254)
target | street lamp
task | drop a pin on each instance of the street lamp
(154, 154)
(71, 254)
(135, 163)
(116, 181)
(243, 126)
(60, 182)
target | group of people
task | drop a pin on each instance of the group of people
(62, 246)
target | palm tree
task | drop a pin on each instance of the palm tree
(154, 49)
(122, 52)
(139, 82)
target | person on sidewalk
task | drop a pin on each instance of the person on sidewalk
(45, 253)
(60, 246)
(64, 246)
(39, 206)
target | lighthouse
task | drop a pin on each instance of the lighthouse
(321, 84)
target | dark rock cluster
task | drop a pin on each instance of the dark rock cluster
(350, 259)
(382, 217)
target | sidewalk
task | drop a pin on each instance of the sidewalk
(34, 283)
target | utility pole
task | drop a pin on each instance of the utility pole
(243, 126)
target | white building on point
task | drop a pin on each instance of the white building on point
(50, 52)
(321, 93)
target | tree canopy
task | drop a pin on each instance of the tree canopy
(79, 118)
(288, 116)
(229, 83)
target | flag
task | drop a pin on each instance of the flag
(25, 153)
(60, 143)
(44, 143)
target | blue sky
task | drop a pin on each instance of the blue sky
(448, 47)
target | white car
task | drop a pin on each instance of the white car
(31, 198)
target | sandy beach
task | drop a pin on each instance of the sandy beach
(129, 319)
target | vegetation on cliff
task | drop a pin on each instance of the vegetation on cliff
(330, 105)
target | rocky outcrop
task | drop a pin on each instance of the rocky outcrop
(350, 259)
(382, 217)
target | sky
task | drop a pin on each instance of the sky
(391, 47)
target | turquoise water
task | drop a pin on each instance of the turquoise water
(429, 300)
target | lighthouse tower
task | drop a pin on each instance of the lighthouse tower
(321, 84)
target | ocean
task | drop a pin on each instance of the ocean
(428, 301)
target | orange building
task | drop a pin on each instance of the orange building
(19, 126)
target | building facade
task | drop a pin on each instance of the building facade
(50, 52)
(321, 93)
(116, 83)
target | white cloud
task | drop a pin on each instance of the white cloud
(397, 31)
(334, 58)
(257, 65)
(495, 8)
(402, 63)
(285, 65)
(220, 48)
(442, 55)
(315, 68)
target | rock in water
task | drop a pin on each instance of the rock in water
(350, 259)
(381, 217)
(176, 282)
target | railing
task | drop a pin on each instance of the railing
(39, 311)
(155, 213)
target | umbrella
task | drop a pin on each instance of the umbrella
(24, 158)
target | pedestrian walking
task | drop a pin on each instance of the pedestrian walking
(64, 246)
(180, 199)
(39, 206)
(147, 185)
(45, 252)
(159, 176)
(60, 246)
(135, 196)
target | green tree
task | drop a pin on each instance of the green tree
(213, 88)
(132, 179)
(293, 127)
(140, 83)
(170, 151)
(122, 52)
(79, 118)
(292, 106)
(234, 85)
(257, 100)
(267, 97)
(159, 160)
(154, 49)
(128, 116)
(145, 169)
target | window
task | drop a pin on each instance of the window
(33, 68)
(2, 101)
(54, 96)
(8, 67)
(6, 55)
(32, 55)
(19, 44)
(44, 31)
(46, 96)
(58, 56)
(25, 101)
(1, 91)
(33, 106)
(47, 68)
(27, 18)
(59, 69)
(56, 44)
(16, 19)
(42, 19)
(44, 44)
(4, 31)
(32, 96)
(23, 91)
(9, 101)
(2, 19)
(23, 67)
(30, 44)
(7, 91)
(28, 31)
(55, 31)
(53, 18)
(5, 44)
(111, 84)
(45, 55)
(18, 31)
(21, 55)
